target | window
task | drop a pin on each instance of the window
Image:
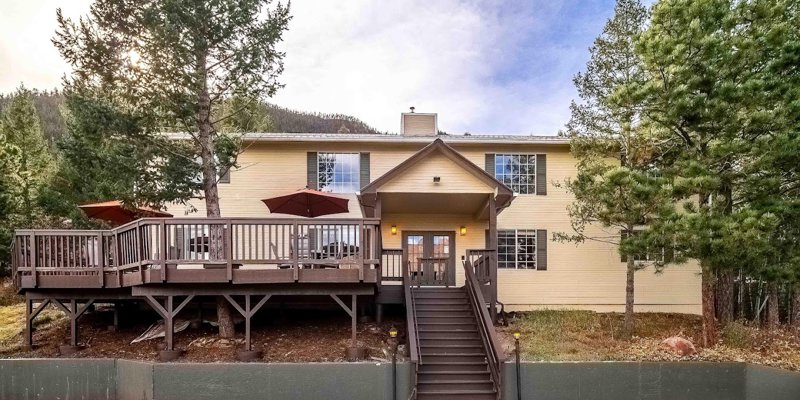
(516, 249)
(517, 171)
(338, 172)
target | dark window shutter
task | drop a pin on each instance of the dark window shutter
(541, 174)
(490, 164)
(541, 249)
(364, 169)
(313, 174)
(225, 175)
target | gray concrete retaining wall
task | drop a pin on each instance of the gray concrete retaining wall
(90, 379)
(72, 379)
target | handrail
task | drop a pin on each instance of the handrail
(411, 328)
(411, 318)
(489, 336)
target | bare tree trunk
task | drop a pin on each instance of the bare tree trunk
(773, 318)
(725, 296)
(796, 306)
(205, 135)
(629, 323)
(710, 329)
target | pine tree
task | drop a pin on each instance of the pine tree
(28, 159)
(171, 63)
(718, 81)
(624, 195)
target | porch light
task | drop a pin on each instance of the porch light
(437, 179)
(463, 230)
(394, 229)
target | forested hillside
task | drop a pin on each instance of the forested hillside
(279, 119)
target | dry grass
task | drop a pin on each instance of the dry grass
(551, 335)
(12, 318)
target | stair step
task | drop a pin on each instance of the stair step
(447, 325)
(451, 335)
(440, 302)
(440, 323)
(459, 295)
(448, 386)
(433, 307)
(451, 349)
(429, 376)
(425, 342)
(471, 366)
(446, 328)
(446, 314)
(457, 394)
(453, 358)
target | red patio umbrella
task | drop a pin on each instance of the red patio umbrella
(307, 203)
(117, 214)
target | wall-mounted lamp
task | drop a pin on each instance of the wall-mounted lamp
(463, 230)
(394, 229)
(437, 179)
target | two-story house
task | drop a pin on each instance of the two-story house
(437, 196)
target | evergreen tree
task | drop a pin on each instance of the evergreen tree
(170, 63)
(622, 195)
(28, 159)
(714, 86)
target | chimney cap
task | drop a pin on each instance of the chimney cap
(412, 109)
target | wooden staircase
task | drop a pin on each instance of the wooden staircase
(452, 347)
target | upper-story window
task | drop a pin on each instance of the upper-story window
(517, 171)
(338, 172)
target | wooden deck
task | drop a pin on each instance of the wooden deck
(172, 250)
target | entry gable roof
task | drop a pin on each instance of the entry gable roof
(503, 194)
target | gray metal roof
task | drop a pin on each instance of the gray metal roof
(394, 138)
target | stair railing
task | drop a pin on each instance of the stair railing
(411, 327)
(494, 352)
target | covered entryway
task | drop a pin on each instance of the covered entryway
(430, 258)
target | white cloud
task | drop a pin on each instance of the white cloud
(485, 66)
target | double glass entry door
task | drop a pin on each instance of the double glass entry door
(430, 258)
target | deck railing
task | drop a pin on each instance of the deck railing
(240, 250)
(484, 265)
(392, 265)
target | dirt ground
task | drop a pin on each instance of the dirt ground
(587, 336)
(283, 336)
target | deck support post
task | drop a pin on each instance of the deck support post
(74, 310)
(247, 354)
(354, 351)
(168, 312)
(30, 314)
(378, 313)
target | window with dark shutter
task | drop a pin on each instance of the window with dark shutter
(541, 174)
(312, 172)
(364, 169)
(541, 249)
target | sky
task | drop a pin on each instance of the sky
(485, 66)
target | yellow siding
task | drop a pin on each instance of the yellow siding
(589, 275)
(419, 178)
